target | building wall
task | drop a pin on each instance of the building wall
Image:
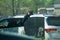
(57, 7)
(57, 11)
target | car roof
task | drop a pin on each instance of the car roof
(17, 16)
(22, 16)
(37, 15)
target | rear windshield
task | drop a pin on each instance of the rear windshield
(54, 21)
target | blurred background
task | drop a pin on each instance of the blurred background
(16, 7)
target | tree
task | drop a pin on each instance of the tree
(49, 2)
(6, 5)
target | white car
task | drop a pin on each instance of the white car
(52, 28)
(51, 25)
(12, 21)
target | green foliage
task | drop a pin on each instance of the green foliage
(49, 2)
(6, 5)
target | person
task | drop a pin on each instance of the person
(30, 12)
(21, 23)
(26, 17)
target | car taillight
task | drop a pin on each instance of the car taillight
(51, 30)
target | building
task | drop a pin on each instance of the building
(57, 7)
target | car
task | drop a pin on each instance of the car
(12, 21)
(52, 27)
(16, 22)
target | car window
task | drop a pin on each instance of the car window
(43, 11)
(11, 23)
(55, 21)
(4, 23)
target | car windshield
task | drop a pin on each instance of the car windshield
(54, 21)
